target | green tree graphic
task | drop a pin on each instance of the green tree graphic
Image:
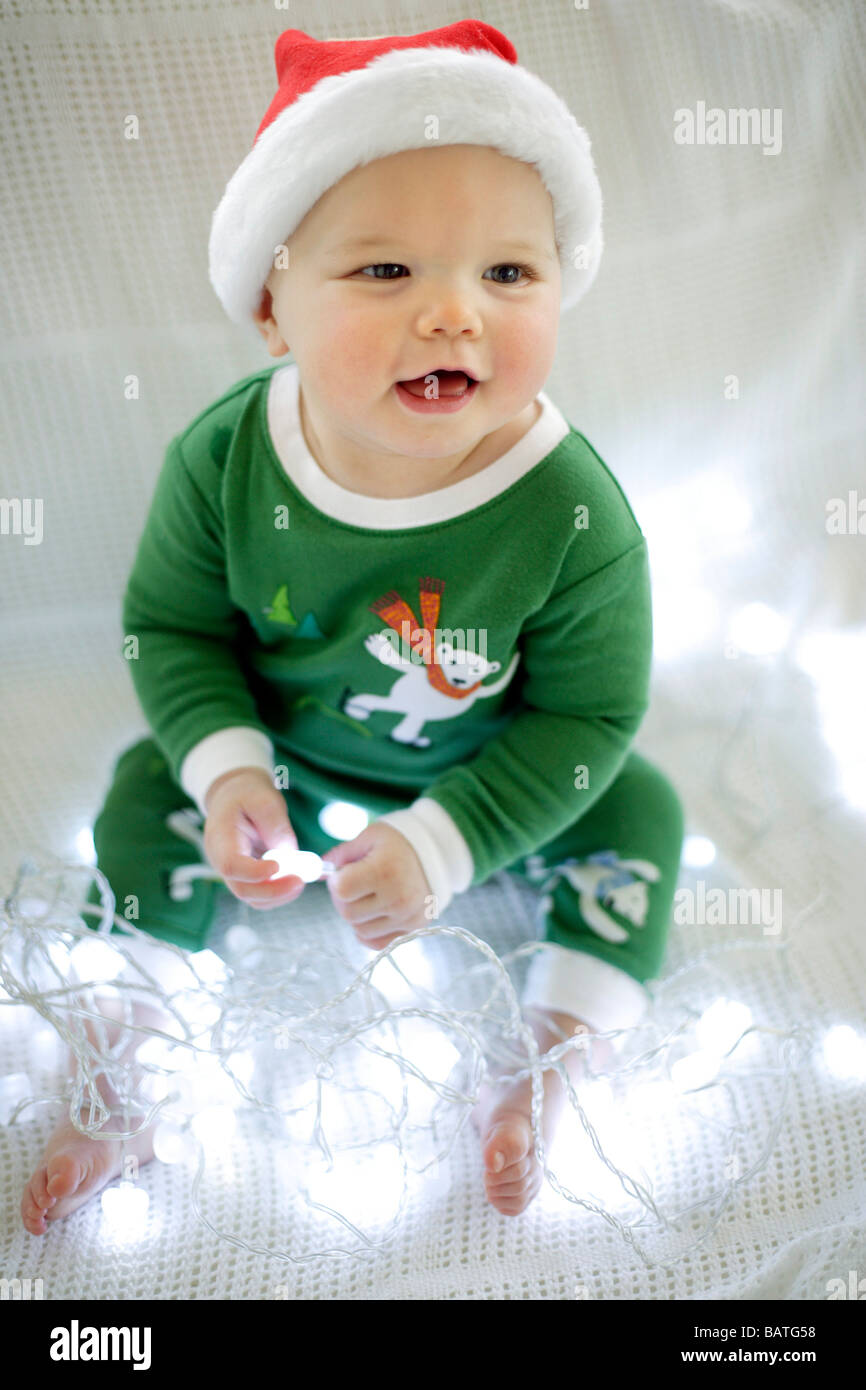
(280, 610)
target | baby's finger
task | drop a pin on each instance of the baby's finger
(367, 909)
(242, 868)
(378, 934)
(283, 890)
(356, 881)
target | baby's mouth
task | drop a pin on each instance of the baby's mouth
(450, 384)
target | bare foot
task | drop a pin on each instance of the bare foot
(75, 1167)
(512, 1173)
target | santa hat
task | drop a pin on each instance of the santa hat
(342, 103)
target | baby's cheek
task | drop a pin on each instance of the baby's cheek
(525, 341)
(348, 349)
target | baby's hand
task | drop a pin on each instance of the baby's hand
(246, 817)
(381, 889)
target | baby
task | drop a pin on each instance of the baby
(413, 216)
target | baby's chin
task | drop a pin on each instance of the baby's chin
(403, 446)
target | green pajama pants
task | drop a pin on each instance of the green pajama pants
(607, 882)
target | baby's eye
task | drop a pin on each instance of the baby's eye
(382, 265)
(510, 265)
(524, 270)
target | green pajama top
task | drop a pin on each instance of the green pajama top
(479, 655)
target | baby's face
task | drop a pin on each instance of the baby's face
(459, 267)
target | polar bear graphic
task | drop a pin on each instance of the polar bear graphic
(603, 878)
(416, 698)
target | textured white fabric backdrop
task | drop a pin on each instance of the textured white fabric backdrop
(720, 261)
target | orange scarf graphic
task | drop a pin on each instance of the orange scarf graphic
(395, 611)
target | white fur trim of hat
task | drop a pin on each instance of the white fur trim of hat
(316, 132)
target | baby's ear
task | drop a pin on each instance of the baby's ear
(264, 311)
(268, 326)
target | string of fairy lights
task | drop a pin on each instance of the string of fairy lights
(376, 1080)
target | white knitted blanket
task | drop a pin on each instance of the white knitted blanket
(722, 263)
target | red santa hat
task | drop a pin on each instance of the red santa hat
(342, 103)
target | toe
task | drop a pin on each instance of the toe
(507, 1190)
(514, 1209)
(508, 1187)
(42, 1198)
(507, 1143)
(512, 1206)
(32, 1216)
(65, 1173)
(512, 1172)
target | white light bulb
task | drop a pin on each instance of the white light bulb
(34, 907)
(845, 1052)
(366, 1187)
(96, 959)
(156, 1052)
(721, 1025)
(696, 1070)
(125, 1206)
(209, 968)
(343, 820)
(698, 851)
(211, 1083)
(85, 846)
(240, 939)
(300, 863)
(401, 975)
(59, 954)
(214, 1125)
(428, 1047)
(574, 1160)
(153, 1088)
(187, 1095)
(242, 1065)
(196, 1009)
(171, 1143)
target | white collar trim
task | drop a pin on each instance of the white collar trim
(394, 513)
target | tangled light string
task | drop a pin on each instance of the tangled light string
(215, 1012)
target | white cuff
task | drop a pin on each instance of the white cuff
(574, 982)
(224, 751)
(444, 854)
